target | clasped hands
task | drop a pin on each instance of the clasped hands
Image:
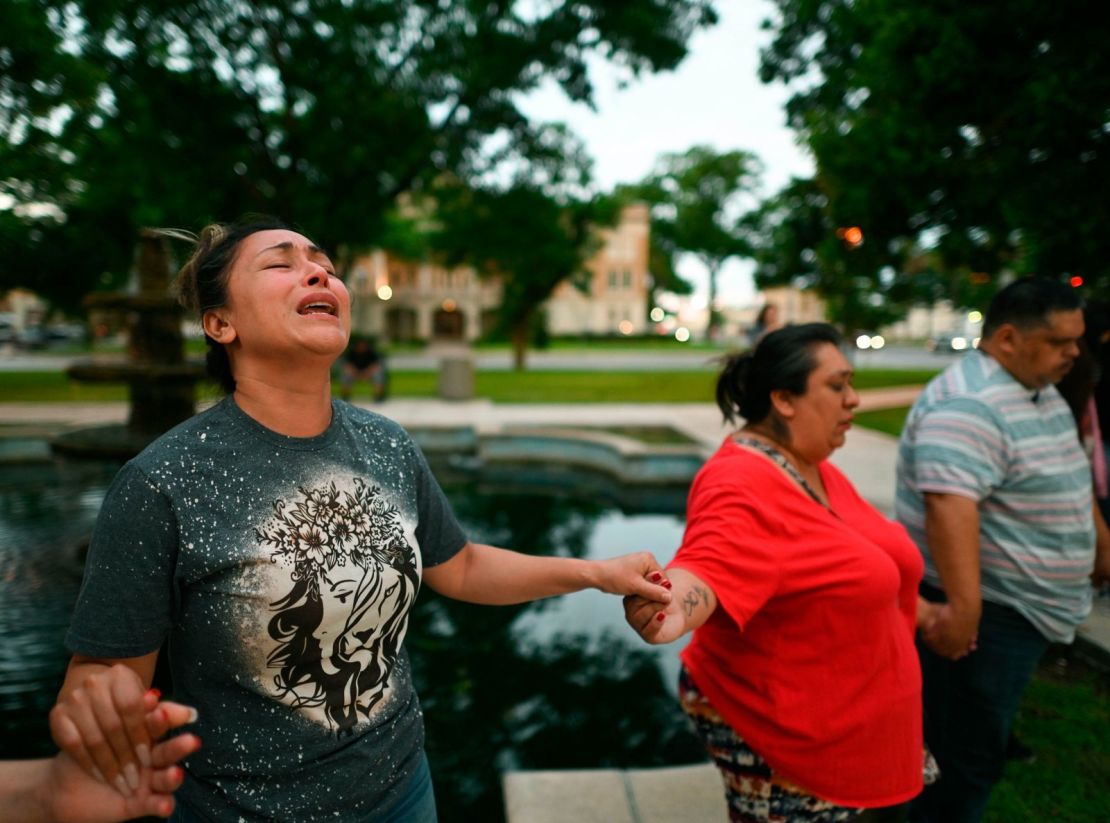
(950, 632)
(112, 764)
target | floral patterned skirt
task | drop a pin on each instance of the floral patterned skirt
(754, 792)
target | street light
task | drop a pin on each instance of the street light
(851, 235)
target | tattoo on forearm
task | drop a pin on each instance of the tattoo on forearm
(694, 598)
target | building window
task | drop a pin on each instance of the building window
(627, 279)
(613, 275)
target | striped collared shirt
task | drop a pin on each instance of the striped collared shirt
(977, 432)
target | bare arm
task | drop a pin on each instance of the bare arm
(1101, 574)
(952, 532)
(499, 577)
(693, 603)
(99, 717)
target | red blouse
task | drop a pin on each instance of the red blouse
(810, 654)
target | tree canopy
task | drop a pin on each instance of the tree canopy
(531, 226)
(696, 198)
(115, 114)
(973, 135)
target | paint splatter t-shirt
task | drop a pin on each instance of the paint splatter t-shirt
(279, 573)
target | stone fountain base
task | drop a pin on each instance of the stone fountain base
(115, 442)
(160, 398)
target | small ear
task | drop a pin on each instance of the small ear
(217, 326)
(782, 401)
(1005, 339)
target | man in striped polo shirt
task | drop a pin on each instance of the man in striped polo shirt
(995, 489)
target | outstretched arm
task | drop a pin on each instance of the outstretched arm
(57, 790)
(693, 602)
(499, 577)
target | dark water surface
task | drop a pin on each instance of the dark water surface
(556, 684)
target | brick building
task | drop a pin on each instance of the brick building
(402, 300)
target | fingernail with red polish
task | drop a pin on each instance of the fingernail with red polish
(659, 618)
(656, 577)
(667, 584)
(156, 692)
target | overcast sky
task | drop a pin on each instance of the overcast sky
(713, 98)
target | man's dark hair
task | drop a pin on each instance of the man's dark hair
(1027, 303)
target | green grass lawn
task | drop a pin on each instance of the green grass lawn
(671, 386)
(1065, 718)
(884, 420)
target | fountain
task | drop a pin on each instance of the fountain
(161, 381)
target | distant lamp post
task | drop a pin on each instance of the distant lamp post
(851, 235)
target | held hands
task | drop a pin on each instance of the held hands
(654, 624)
(927, 614)
(72, 796)
(633, 574)
(693, 603)
(949, 632)
(107, 725)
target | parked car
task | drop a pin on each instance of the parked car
(31, 337)
(943, 343)
(67, 333)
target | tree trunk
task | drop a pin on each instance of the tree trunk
(519, 338)
(714, 318)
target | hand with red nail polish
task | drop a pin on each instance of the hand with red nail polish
(60, 791)
(691, 604)
(637, 574)
(654, 623)
(100, 722)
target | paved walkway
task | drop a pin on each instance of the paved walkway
(674, 795)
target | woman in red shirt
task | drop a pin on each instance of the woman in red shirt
(801, 675)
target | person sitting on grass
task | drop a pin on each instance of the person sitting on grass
(363, 361)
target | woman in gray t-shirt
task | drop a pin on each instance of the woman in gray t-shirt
(274, 545)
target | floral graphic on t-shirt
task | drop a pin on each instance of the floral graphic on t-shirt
(355, 576)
